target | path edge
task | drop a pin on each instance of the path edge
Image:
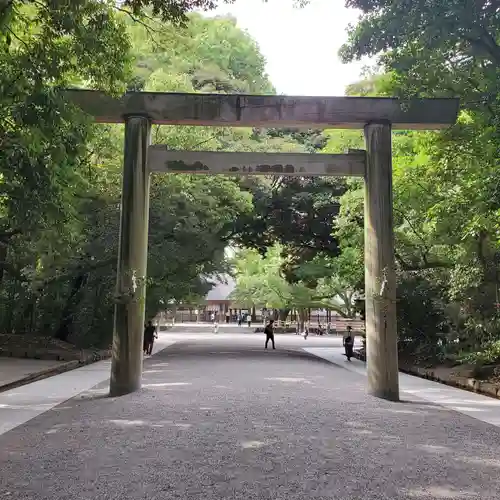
(50, 372)
(464, 383)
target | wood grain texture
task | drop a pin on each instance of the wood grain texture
(380, 278)
(234, 110)
(161, 159)
(127, 353)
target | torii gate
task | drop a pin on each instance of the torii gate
(377, 116)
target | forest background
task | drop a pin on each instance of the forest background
(300, 241)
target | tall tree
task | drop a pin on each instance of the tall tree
(434, 48)
(445, 184)
(60, 208)
(261, 282)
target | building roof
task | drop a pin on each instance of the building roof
(222, 289)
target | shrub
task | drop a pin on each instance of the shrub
(422, 322)
(489, 354)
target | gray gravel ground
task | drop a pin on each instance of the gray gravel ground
(248, 424)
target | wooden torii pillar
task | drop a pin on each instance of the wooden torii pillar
(377, 116)
(380, 276)
(128, 329)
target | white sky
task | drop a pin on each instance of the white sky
(300, 44)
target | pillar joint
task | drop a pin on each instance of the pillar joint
(381, 121)
(129, 116)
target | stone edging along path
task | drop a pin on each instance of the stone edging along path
(49, 372)
(466, 383)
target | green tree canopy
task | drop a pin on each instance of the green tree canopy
(445, 184)
(61, 174)
(261, 282)
(433, 48)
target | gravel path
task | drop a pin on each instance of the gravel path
(215, 422)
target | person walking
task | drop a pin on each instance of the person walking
(269, 331)
(249, 320)
(149, 337)
(349, 343)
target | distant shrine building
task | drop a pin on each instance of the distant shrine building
(218, 301)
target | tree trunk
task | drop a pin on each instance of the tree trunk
(3, 257)
(66, 324)
(28, 313)
(9, 316)
(33, 314)
(301, 318)
(283, 314)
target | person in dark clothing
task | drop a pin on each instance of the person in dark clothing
(349, 344)
(269, 331)
(144, 340)
(149, 338)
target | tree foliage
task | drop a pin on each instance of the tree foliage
(61, 174)
(262, 283)
(445, 184)
(434, 48)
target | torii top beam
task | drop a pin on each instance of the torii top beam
(234, 110)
